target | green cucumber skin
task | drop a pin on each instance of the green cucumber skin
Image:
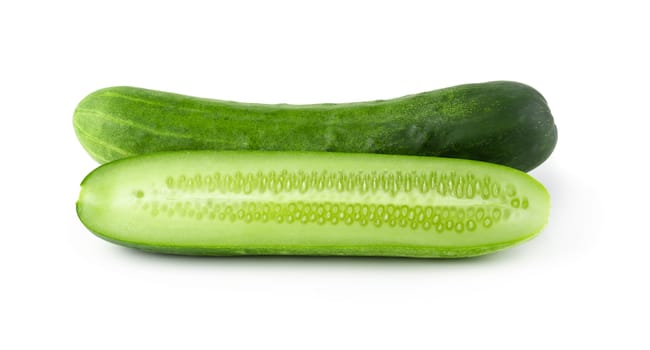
(152, 202)
(499, 122)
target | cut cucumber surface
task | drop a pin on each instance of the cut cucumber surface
(301, 203)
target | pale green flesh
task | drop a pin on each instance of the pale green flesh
(229, 203)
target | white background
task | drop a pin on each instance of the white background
(581, 284)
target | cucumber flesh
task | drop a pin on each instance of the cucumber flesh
(302, 203)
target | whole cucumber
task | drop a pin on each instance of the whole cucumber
(499, 122)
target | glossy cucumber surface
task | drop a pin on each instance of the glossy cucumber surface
(288, 203)
(500, 122)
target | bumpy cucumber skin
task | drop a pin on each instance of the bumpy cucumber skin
(90, 203)
(499, 122)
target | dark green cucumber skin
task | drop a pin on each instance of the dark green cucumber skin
(499, 122)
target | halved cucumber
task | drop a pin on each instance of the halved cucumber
(301, 203)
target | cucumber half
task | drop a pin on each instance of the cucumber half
(302, 203)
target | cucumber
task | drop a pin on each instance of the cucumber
(311, 203)
(502, 122)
